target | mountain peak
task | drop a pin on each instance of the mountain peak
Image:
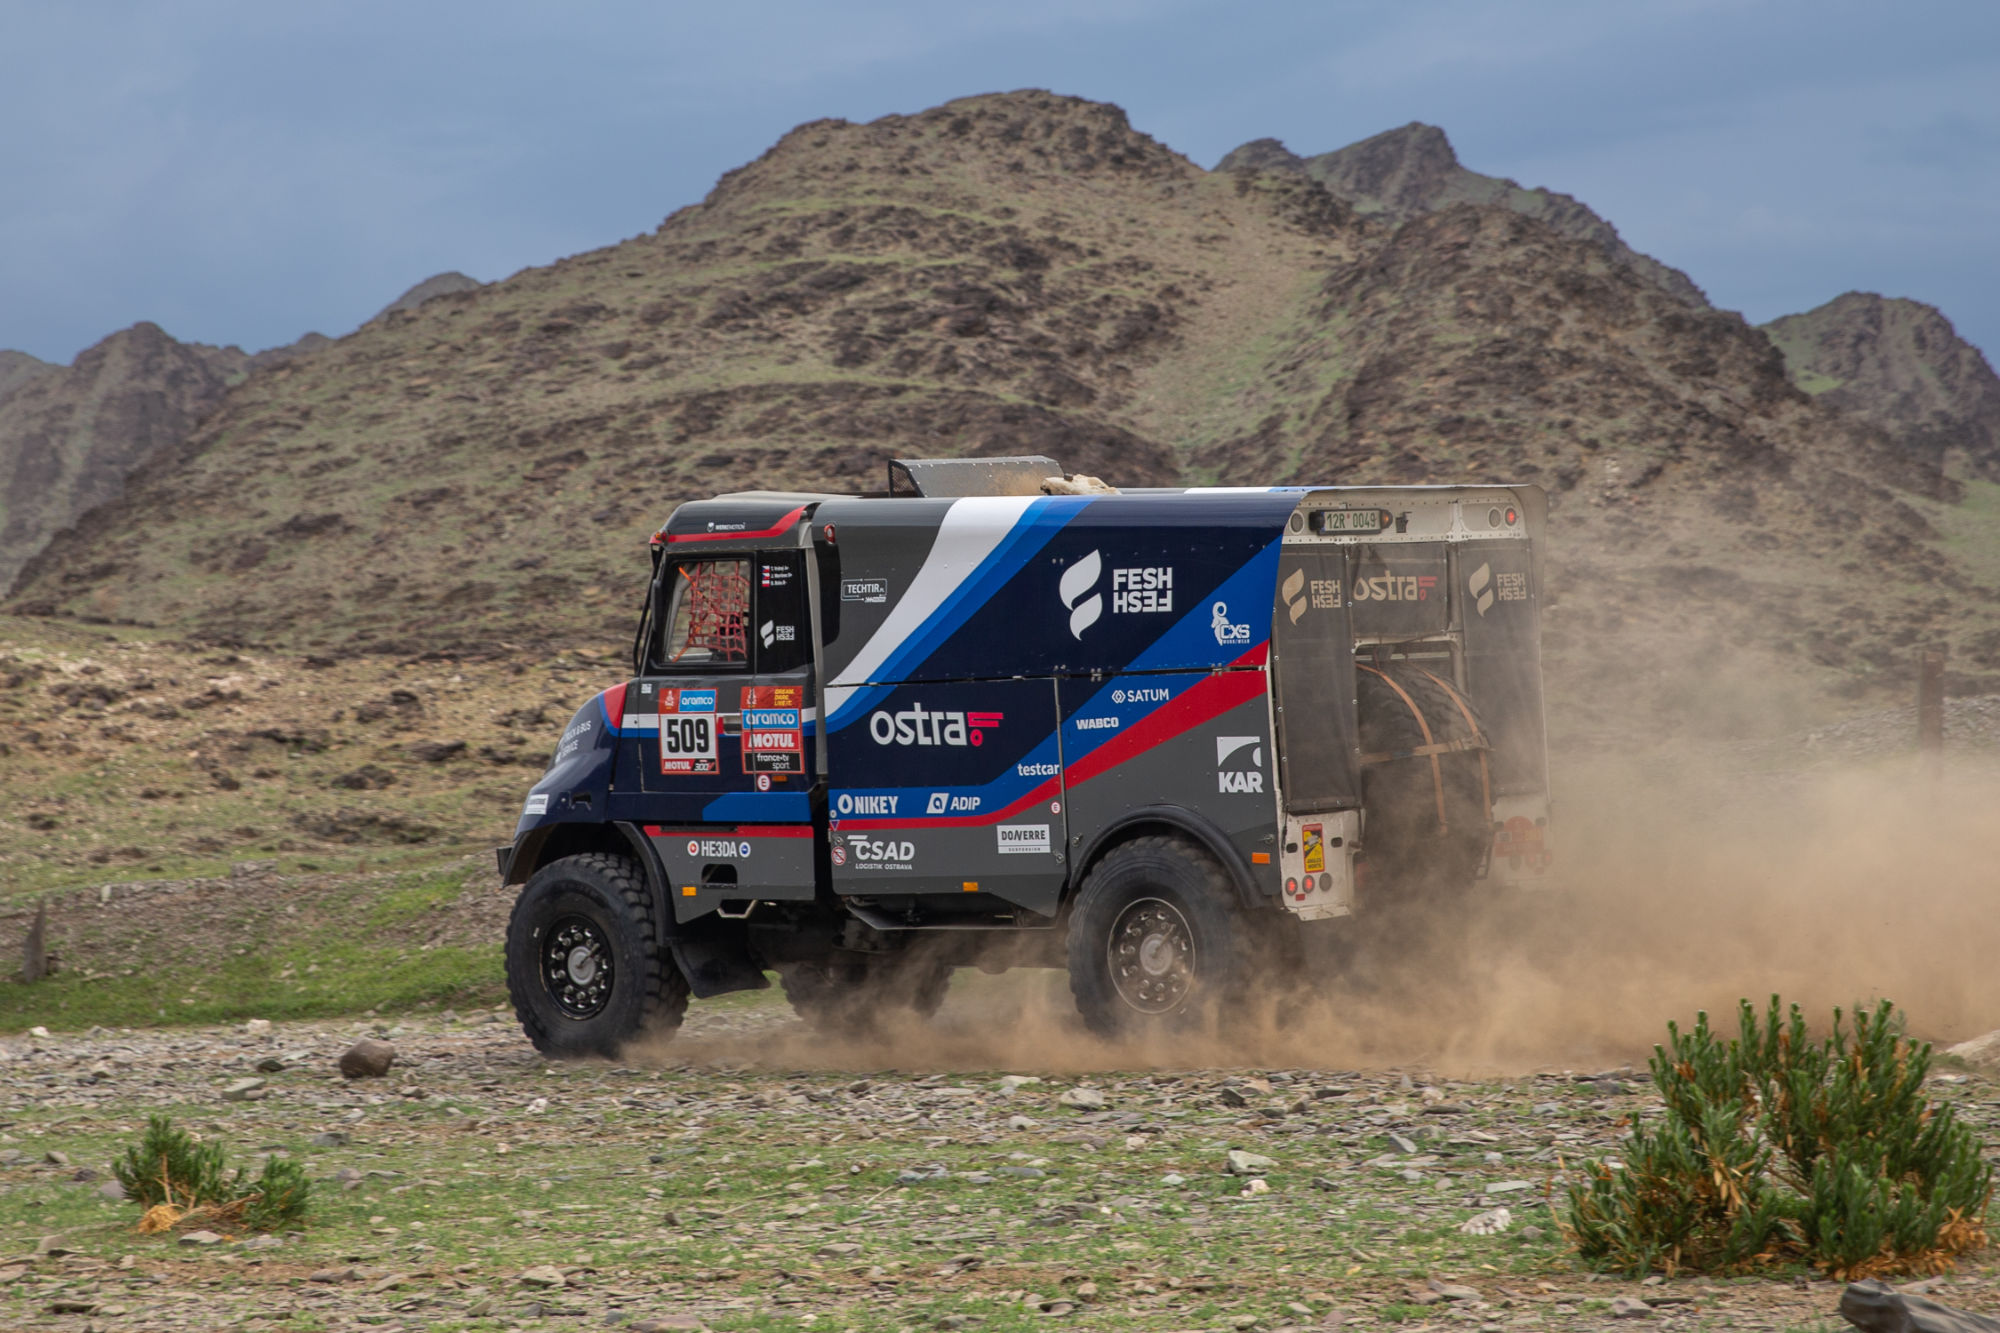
(441, 284)
(18, 368)
(1405, 168)
(1901, 364)
(1262, 155)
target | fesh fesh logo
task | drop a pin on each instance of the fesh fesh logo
(1135, 590)
(917, 725)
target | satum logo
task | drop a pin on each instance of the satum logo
(917, 725)
(1231, 774)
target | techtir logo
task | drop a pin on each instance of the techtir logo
(917, 725)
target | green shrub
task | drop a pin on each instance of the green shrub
(179, 1181)
(168, 1166)
(279, 1197)
(1774, 1147)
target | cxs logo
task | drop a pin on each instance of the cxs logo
(1227, 632)
(917, 725)
(1232, 773)
(1135, 590)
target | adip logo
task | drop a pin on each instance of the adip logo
(1077, 580)
(1480, 585)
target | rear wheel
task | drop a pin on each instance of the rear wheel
(1155, 940)
(849, 996)
(585, 969)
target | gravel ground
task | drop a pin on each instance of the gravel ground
(724, 1182)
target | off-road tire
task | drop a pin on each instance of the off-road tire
(602, 903)
(1139, 904)
(1407, 857)
(849, 997)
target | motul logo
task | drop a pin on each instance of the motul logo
(917, 725)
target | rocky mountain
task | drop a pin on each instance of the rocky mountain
(1900, 364)
(69, 434)
(1406, 172)
(1026, 273)
(438, 284)
(18, 368)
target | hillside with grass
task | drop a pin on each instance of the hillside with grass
(1027, 273)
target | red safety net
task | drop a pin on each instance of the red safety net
(717, 606)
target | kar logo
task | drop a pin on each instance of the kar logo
(1077, 580)
(1480, 585)
(1231, 774)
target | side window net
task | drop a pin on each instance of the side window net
(710, 620)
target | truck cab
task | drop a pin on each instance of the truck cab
(996, 715)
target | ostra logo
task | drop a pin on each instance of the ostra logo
(917, 725)
(1395, 588)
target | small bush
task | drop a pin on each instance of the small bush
(180, 1182)
(1776, 1148)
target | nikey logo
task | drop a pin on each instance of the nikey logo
(1077, 580)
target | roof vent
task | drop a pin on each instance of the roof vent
(951, 478)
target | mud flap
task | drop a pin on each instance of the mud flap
(713, 953)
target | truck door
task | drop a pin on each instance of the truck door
(950, 788)
(721, 722)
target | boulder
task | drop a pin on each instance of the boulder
(367, 1058)
(1879, 1308)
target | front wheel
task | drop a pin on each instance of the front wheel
(585, 969)
(1155, 940)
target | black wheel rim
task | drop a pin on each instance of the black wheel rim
(576, 967)
(1151, 956)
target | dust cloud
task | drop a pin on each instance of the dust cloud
(1680, 889)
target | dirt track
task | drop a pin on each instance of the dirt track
(715, 1182)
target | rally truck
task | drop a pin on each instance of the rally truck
(995, 715)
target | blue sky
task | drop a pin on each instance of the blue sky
(244, 172)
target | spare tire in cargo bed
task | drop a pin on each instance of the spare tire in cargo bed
(1423, 784)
